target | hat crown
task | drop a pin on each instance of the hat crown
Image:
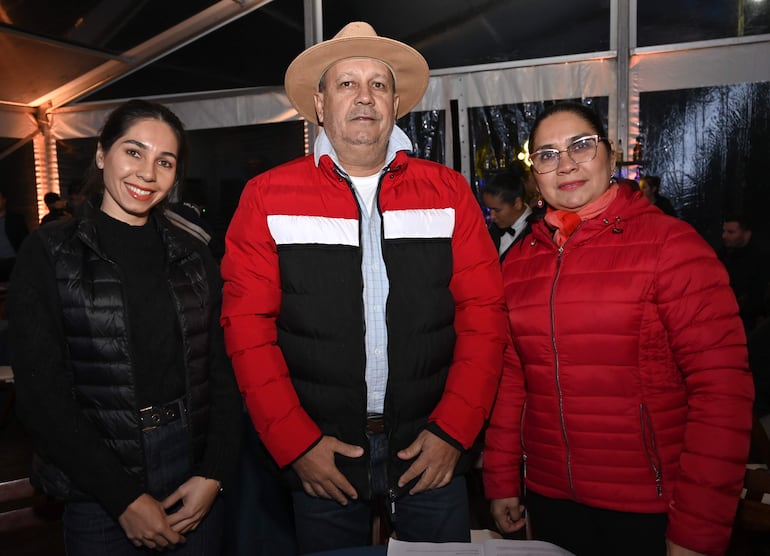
(356, 29)
(357, 39)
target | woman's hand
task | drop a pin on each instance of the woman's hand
(145, 524)
(673, 549)
(197, 494)
(508, 514)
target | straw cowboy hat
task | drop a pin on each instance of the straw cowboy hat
(356, 40)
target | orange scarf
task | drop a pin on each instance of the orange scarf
(566, 222)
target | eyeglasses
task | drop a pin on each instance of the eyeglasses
(580, 151)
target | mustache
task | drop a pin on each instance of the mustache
(364, 113)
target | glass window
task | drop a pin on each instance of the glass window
(113, 26)
(253, 51)
(658, 22)
(709, 146)
(462, 33)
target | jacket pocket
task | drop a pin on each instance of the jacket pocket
(651, 447)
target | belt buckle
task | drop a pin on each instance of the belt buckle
(157, 416)
(375, 424)
(150, 416)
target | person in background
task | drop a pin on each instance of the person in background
(188, 212)
(132, 406)
(504, 196)
(363, 306)
(650, 186)
(13, 230)
(625, 388)
(57, 208)
(748, 264)
(76, 196)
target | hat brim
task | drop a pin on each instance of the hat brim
(304, 73)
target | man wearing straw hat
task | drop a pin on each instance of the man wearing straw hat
(363, 306)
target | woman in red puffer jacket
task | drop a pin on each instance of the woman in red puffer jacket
(625, 387)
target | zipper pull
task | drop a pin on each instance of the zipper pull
(392, 500)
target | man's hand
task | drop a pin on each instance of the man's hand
(145, 524)
(436, 460)
(319, 474)
(197, 494)
(508, 514)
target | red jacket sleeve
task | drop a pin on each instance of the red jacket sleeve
(700, 314)
(250, 306)
(502, 443)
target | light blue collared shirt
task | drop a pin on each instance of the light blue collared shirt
(375, 276)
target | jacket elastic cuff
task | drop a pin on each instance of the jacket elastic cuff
(313, 445)
(438, 431)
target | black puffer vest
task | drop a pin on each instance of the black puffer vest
(95, 326)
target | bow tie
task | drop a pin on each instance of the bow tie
(508, 231)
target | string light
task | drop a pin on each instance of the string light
(46, 169)
(524, 154)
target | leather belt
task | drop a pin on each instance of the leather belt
(158, 415)
(375, 424)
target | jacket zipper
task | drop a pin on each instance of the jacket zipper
(523, 448)
(651, 448)
(344, 178)
(556, 371)
(392, 492)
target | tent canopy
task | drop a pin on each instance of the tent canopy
(219, 64)
(57, 54)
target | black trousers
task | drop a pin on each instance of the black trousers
(587, 531)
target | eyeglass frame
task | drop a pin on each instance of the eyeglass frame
(596, 137)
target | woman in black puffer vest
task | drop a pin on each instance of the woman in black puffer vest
(121, 374)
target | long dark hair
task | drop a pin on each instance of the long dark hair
(116, 125)
(581, 110)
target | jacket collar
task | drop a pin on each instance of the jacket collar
(627, 204)
(174, 240)
(399, 141)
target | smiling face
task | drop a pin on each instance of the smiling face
(139, 170)
(571, 186)
(357, 108)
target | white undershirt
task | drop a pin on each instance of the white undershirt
(366, 187)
